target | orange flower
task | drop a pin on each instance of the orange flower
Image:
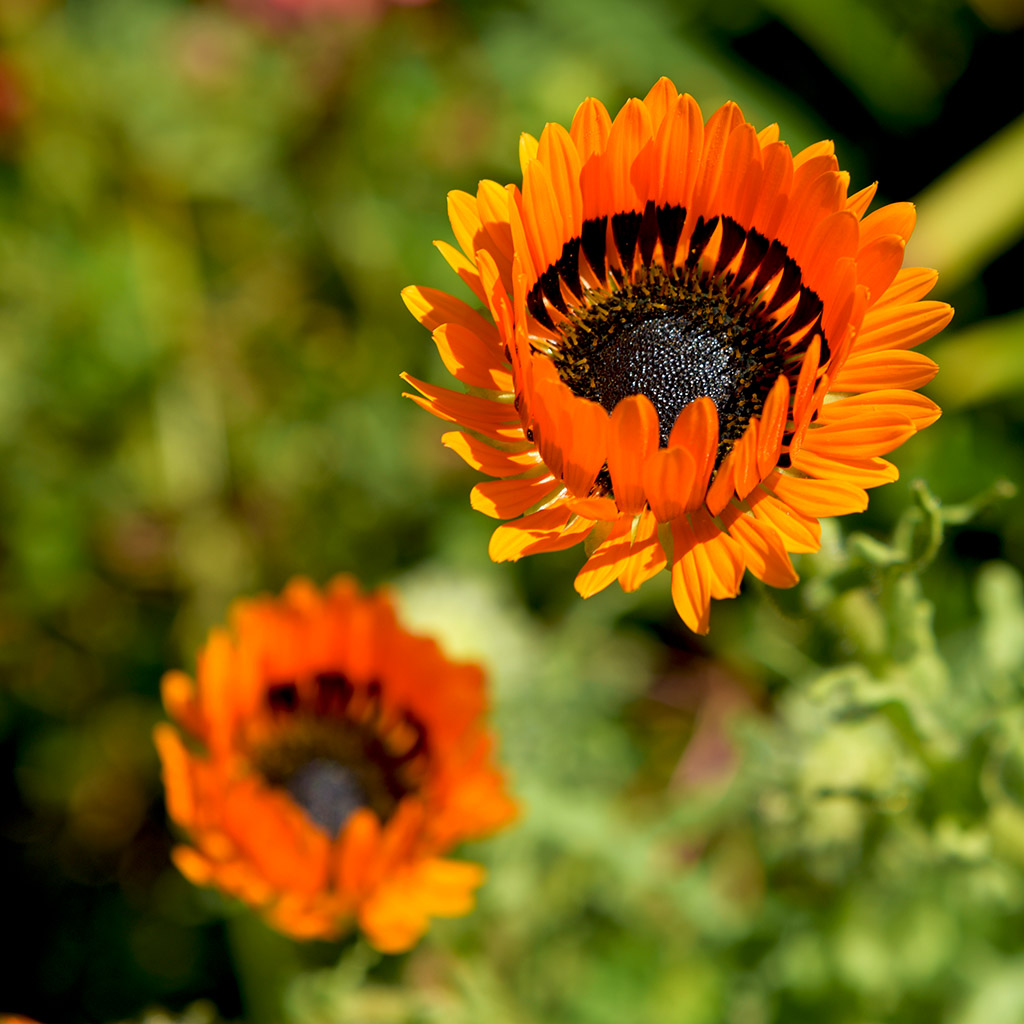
(694, 345)
(329, 762)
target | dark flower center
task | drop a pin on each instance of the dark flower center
(674, 340)
(330, 792)
(723, 323)
(332, 755)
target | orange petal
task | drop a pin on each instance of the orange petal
(548, 418)
(550, 529)
(601, 509)
(587, 445)
(816, 153)
(723, 487)
(632, 436)
(832, 239)
(894, 219)
(558, 153)
(842, 301)
(497, 299)
(696, 430)
(496, 419)
(199, 870)
(888, 327)
(691, 584)
(846, 340)
(178, 693)
(862, 472)
(660, 100)
(465, 268)
(278, 840)
(859, 437)
(798, 532)
(762, 549)
(525, 257)
(177, 774)
(607, 561)
(217, 706)
(488, 459)
(744, 452)
(470, 359)
(433, 308)
(920, 410)
(492, 205)
(741, 175)
(630, 132)
(668, 478)
(804, 391)
(465, 221)
(774, 415)
(716, 134)
(448, 885)
(818, 498)
(706, 563)
(859, 202)
(776, 182)
(646, 558)
(527, 149)
(543, 220)
(506, 499)
(878, 262)
(810, 202)
(676, 153)
(808, 171)
(397, 913)
(722, 557)
(874, 371)
(392, 920)
(591, 126)
(911, 284)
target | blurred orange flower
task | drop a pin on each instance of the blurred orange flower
(693, 345)
(325, 763)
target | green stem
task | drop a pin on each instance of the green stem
(266, 963)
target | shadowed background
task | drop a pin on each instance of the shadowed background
(206, 217)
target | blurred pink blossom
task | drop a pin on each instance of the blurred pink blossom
(303, 10)
(13, 101)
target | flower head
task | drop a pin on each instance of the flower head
(694, 344)
(326, 762)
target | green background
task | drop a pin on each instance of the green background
(814, 814)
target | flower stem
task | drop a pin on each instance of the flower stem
(265, 962)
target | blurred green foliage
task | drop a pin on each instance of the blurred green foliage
(205, 221)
